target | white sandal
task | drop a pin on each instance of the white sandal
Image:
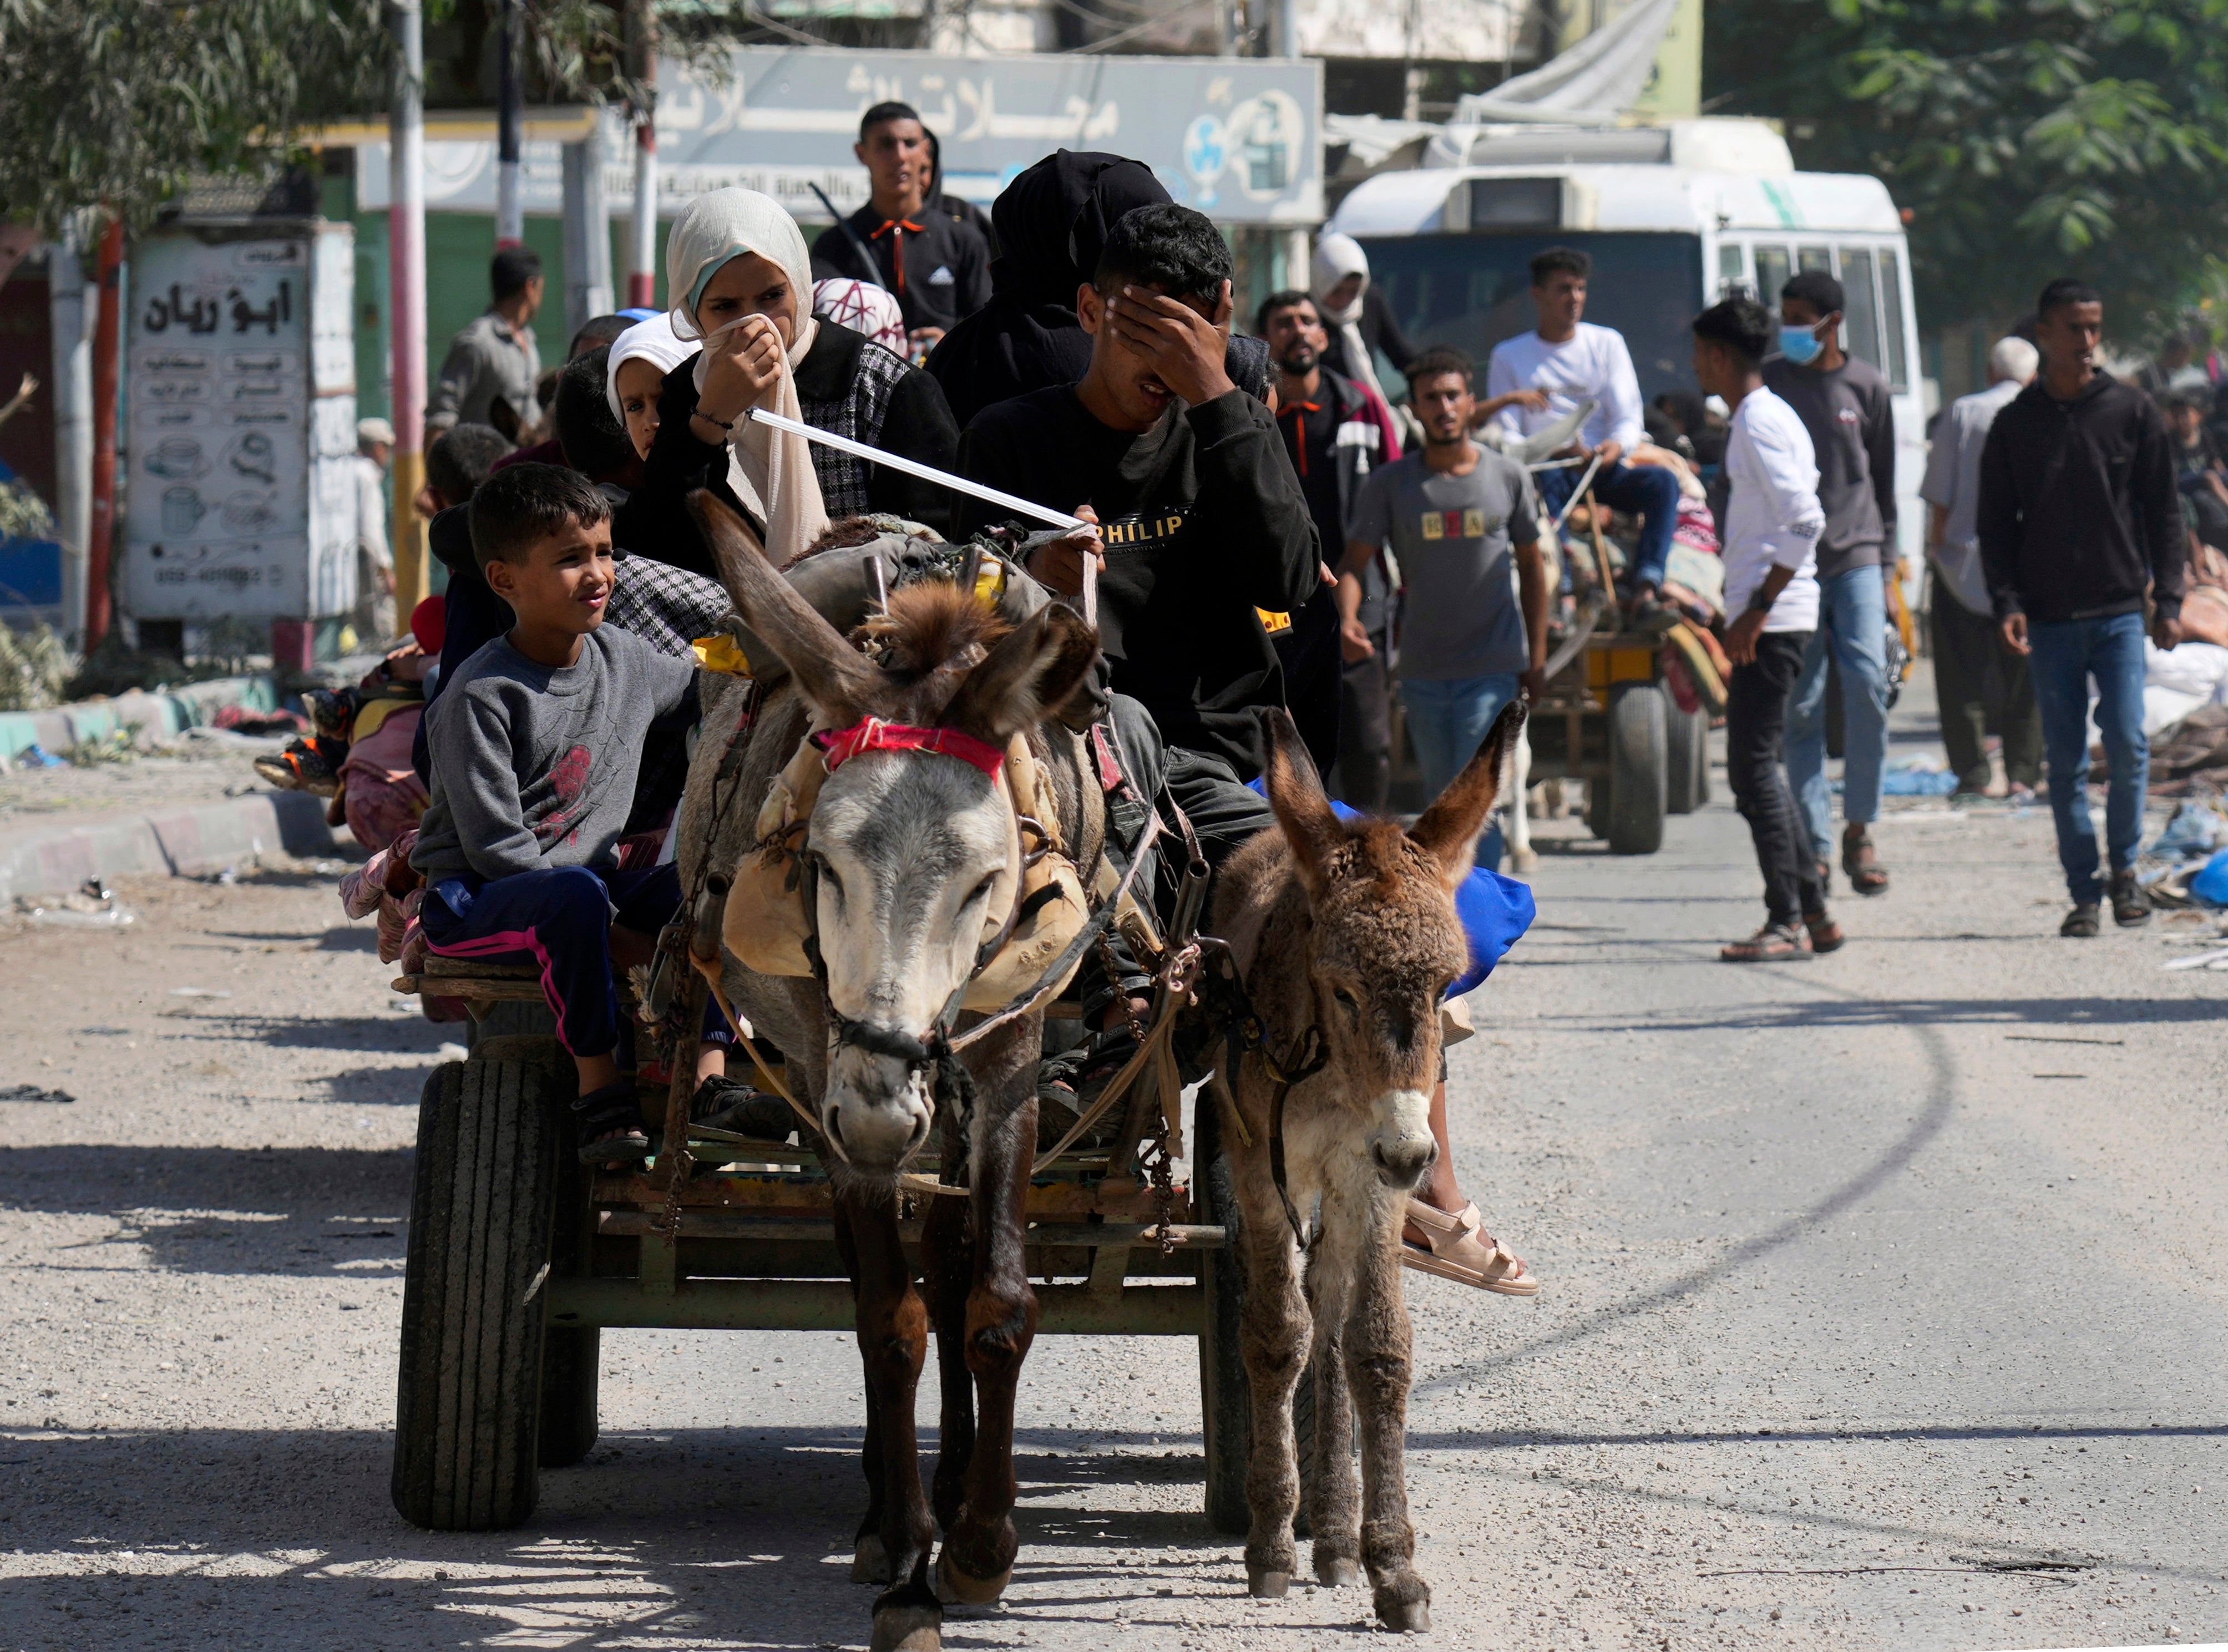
(1458, 1247)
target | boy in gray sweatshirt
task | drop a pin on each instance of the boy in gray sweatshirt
(535, 742)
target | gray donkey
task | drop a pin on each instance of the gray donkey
(1346, 938)
(907, 851)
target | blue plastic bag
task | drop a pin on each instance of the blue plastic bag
(2211, 885)
(1495, 910)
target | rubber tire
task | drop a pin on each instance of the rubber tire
(1226, 1402)
(1639, 753)
(1686, 734)
(570, 1354)
(468, 1406)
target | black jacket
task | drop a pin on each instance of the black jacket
(1204, 525)
(2078, 515)
(936, 266)
(847, 385)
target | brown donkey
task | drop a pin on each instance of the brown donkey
(1346, 936)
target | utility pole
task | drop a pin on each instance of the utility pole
(509, 203)
(73, 347)
(107, 349)
(642, 69)
(405, 253)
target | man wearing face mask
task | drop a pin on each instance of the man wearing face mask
(1844, 403)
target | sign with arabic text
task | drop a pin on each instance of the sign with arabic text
(1239, 138)
(223, 505)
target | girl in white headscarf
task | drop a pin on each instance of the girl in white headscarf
(1356, 316)
(739, 278)
(634, 377)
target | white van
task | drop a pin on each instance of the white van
(1674, 217)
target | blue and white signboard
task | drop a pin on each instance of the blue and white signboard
(1239, 138)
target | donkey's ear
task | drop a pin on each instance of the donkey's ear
(1447, 831)
(835, 679)
(1311, 826)
(1032, 671)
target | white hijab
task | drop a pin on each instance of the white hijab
(770, 471)
(1337, 257)
(652, 341)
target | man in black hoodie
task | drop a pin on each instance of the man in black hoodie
(2080, 526)
(1202, 519)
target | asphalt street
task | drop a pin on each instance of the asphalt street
(1884, 1307)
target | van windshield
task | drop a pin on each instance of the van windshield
(1472, 292)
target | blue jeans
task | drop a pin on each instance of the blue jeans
(2066, 655)
(1647, 491)
(1853, 621)
(1449, 722)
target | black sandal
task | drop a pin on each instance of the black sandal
(615, 1108)
(1861, 861)
(726, 1104)
(1773, 943)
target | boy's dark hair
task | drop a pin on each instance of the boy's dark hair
(1818, 289)
(2065, 291)
(882, 113)
(1742, 325)
(1555, 260)
(1437, 359)
(597, 330)
(1290, 298)
(511, 269)
(1170, 248)
(595, 444)
(521, 505)
(461, 458)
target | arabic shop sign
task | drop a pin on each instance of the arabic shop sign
(1239, 138)
(217, 503)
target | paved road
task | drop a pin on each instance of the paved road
(1864, 1277)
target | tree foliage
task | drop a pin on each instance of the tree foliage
(122, 101)
(2028, 138)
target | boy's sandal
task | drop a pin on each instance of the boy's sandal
(1861, 861)
(1825, 934)
(1457, 1246)
(599, 1114)
(301, 767)
(1773, 943)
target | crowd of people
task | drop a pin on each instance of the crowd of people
(1274, 525)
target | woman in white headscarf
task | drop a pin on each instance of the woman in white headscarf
(739, 279)
(1355, 313)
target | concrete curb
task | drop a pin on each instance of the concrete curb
(181, 842)
(62, 728)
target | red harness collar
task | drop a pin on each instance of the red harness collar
(839, 746)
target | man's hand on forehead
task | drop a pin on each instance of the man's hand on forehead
(1182, 338)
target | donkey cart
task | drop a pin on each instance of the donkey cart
(519, 1257)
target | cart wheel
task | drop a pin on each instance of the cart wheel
(569, 1353)
(468, 1406)
(1638, 757)
(1687, 739)
(1224, 1404)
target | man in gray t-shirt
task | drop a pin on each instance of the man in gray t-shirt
(1455, 515)
(1846, 407)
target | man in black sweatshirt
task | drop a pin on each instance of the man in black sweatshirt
(2080, 526)
(1203, 523)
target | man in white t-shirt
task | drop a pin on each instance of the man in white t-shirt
(1574, 362)
(1772, 523)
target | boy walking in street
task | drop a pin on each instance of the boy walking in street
(1844, 403)
(1771, 527)
(1454, 514)
(2079, 525)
